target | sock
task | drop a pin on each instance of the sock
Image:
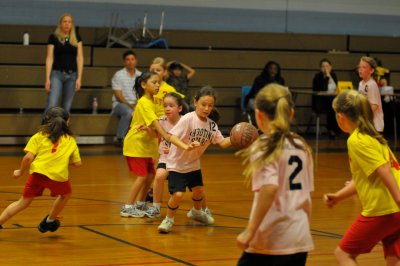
(48, 220)
(169, 218)
(140, 203)
(129, 206)
(157, 205)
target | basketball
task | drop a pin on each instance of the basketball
(243, 135)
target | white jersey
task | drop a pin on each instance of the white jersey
(285, 228)
(190, 128)
(371, 90)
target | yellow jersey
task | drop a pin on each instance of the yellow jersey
(366, 154)
(139, 143)
(164, 89)
(52, 159)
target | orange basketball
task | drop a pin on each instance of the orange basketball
(243, 135)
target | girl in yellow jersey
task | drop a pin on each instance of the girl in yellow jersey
(48, 155)
(375, 179)
(141, 143)
(158, 65)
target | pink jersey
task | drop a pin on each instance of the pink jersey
(371, 90)
(285, 228)
(167, 126)
(190, 128)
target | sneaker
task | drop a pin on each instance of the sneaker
(202, 217)
(131, 212)
(166, 225)
(152, 212)
(142, 206)
(44, 226)
(149, 196)
(210, 218)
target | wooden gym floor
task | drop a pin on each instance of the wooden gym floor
(92, 232)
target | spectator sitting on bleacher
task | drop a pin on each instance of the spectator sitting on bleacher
(64, 64)
(179, 75)
(270, 74)
(326, 80)
(124, 98)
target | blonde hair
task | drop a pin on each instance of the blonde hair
(276, 102)
(357, 109)
(372, 63)
(72, 34)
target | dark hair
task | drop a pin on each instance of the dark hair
(175, 65)
(144, 77)
(54, 123)
(209, 91)
(129, 52)
(325, 60)
(265, 73)
(179, 101)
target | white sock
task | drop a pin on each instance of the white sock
(196, 211)
(129, 205)
(140, 203)
(168, 218)
(157, 205)
(48, 220)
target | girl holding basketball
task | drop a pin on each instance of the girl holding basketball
(141, 143)
(281, 169)
(184, 167)
(375, 179)
(48, 155)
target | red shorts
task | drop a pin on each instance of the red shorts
(366, 232)
(36, 183)
(141, 166)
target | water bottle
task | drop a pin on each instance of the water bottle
(95, 106)
(25, 38)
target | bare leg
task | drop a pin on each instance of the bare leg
(145, 189)
(14, 208)
(345, 259)
(158, 185)
(173, 203)
(204, 202)
(197, 197)
(136, 189)
(58, 206)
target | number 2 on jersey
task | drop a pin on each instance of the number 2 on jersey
(295, 159)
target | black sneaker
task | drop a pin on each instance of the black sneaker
(149, 196)
(44, 226)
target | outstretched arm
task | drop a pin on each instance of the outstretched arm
(226, 143)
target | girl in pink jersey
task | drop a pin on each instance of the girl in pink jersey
(369, 87)
(174, 107)
(184, 166)
(141, 143)
(48, 155)
(375, 180)
(280, 166)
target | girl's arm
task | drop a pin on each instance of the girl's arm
(26, 162)
(79, 62)
(190, 70)
(171, 138)
(77, 164)
(374, 107)
(49, 65)
(265, 198)
(226, 143)
(385, 174)
(346, 192)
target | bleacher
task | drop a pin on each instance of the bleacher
(224, 60)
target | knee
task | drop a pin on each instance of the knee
(341, 255)
(178, 196)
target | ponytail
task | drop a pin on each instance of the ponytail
(54, 124)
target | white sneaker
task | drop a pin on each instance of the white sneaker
(202, 217)
(166, 225)
(210, 218)
(131, 212)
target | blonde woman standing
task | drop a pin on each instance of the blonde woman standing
(64, 64)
